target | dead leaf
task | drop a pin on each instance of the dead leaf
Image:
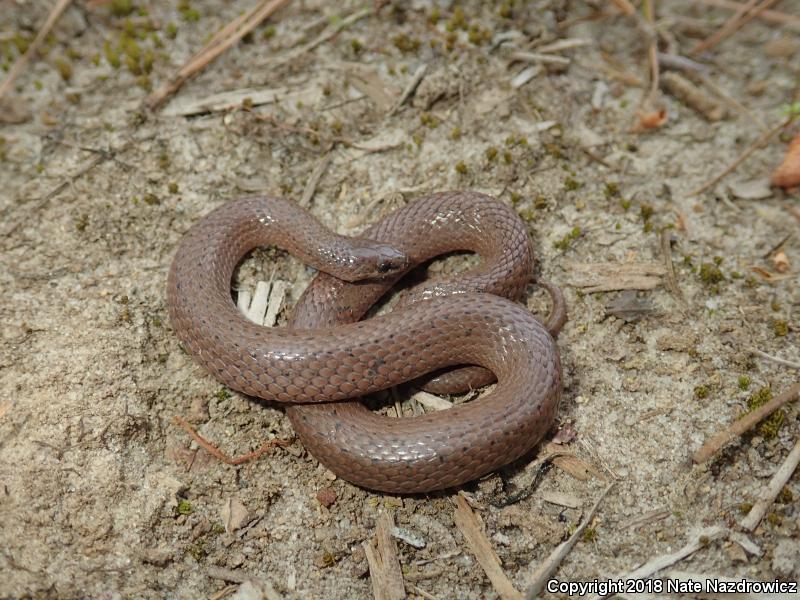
(780, 261)
(650, 120)
(234, 515)
(787, 175)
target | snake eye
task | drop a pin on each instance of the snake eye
(384, 267)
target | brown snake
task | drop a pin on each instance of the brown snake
(329, 355)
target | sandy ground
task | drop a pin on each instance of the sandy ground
(102, 495)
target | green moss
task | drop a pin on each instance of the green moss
(625, 204)
(188, 13)
(745, 507)
(571, 184)
(646, 211)
(770, 426)
(418, 138)
(774, 519)
(429, 120)
(184, 508)
(218, 528)
(82, 222)
(434, 16)
(589, 534)
(406, 44)
(565, 242)
(785, 496)
(506, 9)
(121, 8)
(744, 382)
(461, 168)
(222, 394)
(710, 274)
(491, 154)
(151, 199)
(171, 31)
(269, 33)
(198, 550)
(611, 189)
(356, 46)
(111, 54)
(458, 20)
(540, 202)
(508, 158)
(701, 392)
(479, 35)
(516, 197)
(780, 327)
(64, 68)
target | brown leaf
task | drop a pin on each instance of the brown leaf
(650, 120)
(787, 175)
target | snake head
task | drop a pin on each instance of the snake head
(374, 260)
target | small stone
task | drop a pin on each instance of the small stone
(234, 515)
(755, 189)
(327, 496)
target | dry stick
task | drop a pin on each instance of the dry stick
(775, 359)
(746, 13)
(763, 139)
(769, 493)
(703, 538)
(545, 571)
(727, 28)
(332, 31)
(471, 529)
(212, 449)
(212, 50)
(741, 425)
(23, 60)
(666, 252)
(384, 566)
(772, 16)
(313, 180)
(652, 53)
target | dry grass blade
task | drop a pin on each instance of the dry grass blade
(545, 571)
(775, 359)
(744, 14)
(624, 6)
(23, 60)
(771, 491)
(761, 141)
(738, 427)
(701, 539)
(384, 566)
(226, 38)
(472, 530)
(772, 16)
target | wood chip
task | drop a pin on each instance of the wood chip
(606, 277)
(561, 499)
(472, 530)
(771, 491)
(526, 75)
(545, 571)
(384, 566)
(787, 175)
(629, 307)
(431, 401)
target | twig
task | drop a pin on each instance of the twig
(741, 425)
(214, 48)
(472, 530)
(313, 180)
(775, 359)
(420, 592)
(23, 60)
(216, 452)
(332, 31)
(652, 53)
(771, 491)
(666, 252)
(384, 566)
(702, 539)
(773, 16)
(419, 75)
(763, 139)
(745, 13)
(545, 571)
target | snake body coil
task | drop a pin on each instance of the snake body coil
(328, 355)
